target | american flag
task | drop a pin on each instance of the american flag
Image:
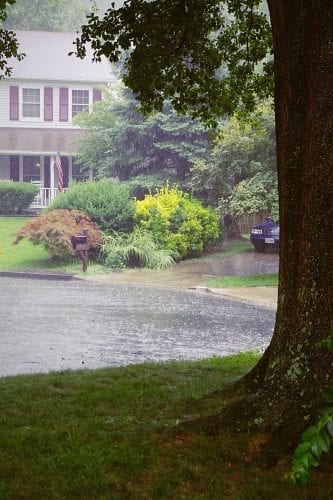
(59, 170)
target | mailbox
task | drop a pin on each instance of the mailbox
(79, 242)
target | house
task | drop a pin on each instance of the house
(37, 105)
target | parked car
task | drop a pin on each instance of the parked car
(266, 235)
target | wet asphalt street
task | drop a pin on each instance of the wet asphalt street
(56, 325)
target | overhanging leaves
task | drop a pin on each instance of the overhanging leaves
(205, 56)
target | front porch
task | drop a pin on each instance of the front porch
(41, 171)
(44, 198)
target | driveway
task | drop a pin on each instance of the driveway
(56, 325)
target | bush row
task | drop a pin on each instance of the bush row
(151, 233)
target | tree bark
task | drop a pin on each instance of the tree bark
(288, 379)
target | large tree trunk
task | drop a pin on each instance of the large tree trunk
(294, 369)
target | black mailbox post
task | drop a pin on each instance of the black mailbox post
(80, 244)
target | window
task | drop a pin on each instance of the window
(31, 103)
(31, 168)
(80, 101)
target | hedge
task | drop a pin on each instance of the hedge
(16, 196)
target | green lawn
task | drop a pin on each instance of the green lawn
(22, 256)
(125, 433)
(244, 281)
(28, 257)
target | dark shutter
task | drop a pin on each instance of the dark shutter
(97, 95)
(63, 104)
(13, 102)
(48, 104)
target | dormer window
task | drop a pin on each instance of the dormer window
(31, 103)
(80, 101)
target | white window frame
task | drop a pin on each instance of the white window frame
(39, 118)
(89, 108)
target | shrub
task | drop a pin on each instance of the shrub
(106, 202)
(178, 223)
(15, 196)
(141, 185)
(136, 249)
(53, 230)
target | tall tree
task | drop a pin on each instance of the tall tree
(177, 48)
(243, 156)
(119, 141)
(45, 15)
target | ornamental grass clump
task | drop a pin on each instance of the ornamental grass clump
(136, 249)
(177, 222)
(53, 230)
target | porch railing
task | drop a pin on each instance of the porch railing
(45, 197)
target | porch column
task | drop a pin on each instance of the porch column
(70, 169)
(42, 176)
(21, 168)
(52, 190)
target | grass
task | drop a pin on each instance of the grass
(244, 281)
(230, 248)
(118, 433)
(28, 257)
(22, 256)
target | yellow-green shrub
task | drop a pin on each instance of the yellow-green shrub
(178, 222)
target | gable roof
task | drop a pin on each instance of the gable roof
(47, 59)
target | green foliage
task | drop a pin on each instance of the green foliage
(15, 196)
(318, 438)
(257, 195)
(141, 185)
(45, 15)
(9, 45)
(243, 149)
(53, 230)
(204, 61)
(106, 202)
(179, 223)
(119, 141)
(137, 249)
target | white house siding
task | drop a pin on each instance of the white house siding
(4, 105)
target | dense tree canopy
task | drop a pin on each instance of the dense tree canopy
(45, 15)
(192, 53)
(119, 141)
(8, 42)
(240, 173)
(208, 63)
